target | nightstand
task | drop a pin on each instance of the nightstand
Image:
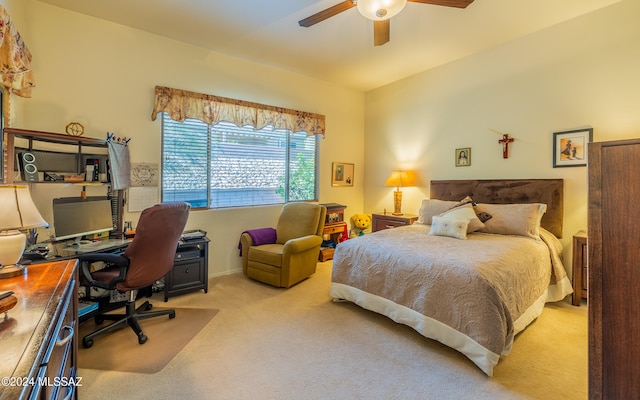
(580, 277)
(386, 221)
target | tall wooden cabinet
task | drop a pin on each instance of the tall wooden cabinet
(614, 270)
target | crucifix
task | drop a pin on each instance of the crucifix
(505, 144)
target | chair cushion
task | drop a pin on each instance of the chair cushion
(297, 220)
(270, 254)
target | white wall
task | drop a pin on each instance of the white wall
(103, 75)
(581, 73)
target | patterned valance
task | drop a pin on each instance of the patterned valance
(182, 104)
(15, 59)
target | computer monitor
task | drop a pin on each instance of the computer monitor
(75, 217)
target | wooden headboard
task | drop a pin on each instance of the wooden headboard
(504, 191)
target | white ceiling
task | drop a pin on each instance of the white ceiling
(340, 49)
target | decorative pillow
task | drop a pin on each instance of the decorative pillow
(451, 227)
(466, 200)
(513, 219)
(484, 216)
(431, 207)
(465, 212)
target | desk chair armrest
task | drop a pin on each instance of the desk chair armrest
(116, 260)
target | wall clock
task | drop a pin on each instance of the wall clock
(75, 129)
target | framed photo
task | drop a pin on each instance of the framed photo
(463, 157)
(341, 174)
(570, 147)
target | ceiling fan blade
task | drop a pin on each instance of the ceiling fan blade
(327, 13)
(381, 32)
(446, 3)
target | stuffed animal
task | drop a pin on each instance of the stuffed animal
(360, 225)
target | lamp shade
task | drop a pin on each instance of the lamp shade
(17, 210)
(400, 179)
(379, 10)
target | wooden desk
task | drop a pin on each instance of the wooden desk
(37, 336)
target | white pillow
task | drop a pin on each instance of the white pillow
(465, 212)
(514, 219)
(450, 227)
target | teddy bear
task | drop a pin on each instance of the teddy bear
(360, 225)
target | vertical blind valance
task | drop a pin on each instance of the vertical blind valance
(182, 104)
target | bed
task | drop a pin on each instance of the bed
(469, 284)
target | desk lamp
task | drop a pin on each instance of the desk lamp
(17, 212)
(399, 179)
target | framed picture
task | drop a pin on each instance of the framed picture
(341, 174)
(463, 157)
(570, 147)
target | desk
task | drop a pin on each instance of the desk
(38, 336)
(190, 268)
(100, 246)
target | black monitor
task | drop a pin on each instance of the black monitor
(75, 217)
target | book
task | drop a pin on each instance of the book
(85, 307)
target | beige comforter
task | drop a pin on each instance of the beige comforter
(473, 295)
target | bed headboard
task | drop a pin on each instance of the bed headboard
(504, 191)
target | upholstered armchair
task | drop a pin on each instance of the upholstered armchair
(289, 253)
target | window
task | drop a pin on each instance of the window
(224, 165)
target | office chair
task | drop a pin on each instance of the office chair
(148, 258)
(290, 253)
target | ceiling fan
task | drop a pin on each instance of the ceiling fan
(380, 11)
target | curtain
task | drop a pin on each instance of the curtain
(182, 104)
(15, 59)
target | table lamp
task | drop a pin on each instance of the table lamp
(17, 212)
(399, 179)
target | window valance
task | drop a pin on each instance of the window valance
(15, 59)
(182, 104)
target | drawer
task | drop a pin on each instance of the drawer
(331, 229)
(58, 359)
(187, 274)
(383, 221)
(189, 254)
(387, 224)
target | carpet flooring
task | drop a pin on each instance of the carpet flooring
(270, 343)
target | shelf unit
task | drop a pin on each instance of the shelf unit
(79, 142)
(60, 141)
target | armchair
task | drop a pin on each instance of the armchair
(148, 258)
(293, 254)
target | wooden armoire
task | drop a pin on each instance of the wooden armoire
(614, 269)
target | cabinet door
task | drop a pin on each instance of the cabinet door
(614, 270)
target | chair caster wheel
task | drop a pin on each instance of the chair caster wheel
(149, 306)
(99, 321)
(86, 343)
(172, 315)
(142, 339)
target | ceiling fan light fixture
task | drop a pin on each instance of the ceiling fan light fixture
(379, 10)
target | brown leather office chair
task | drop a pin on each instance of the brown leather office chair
(148, 258)
(291, 252)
